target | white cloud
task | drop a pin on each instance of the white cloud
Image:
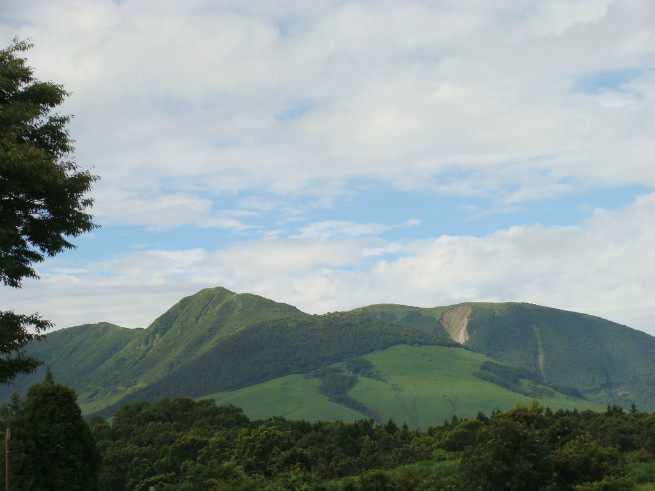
(334, 229)
(483, 92)
(183, 106)
(600, 267)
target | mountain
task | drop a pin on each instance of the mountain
(105, 363)
(413, 364)
(211, 341)
(608, 362)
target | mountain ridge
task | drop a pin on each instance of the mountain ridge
(607, 361)
(217, 340)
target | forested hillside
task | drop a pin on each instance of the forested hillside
(276, 348)
(607, 362)
(220, 343)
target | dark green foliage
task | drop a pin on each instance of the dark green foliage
(459, 436)
(15, 335)
(642, 472)
(199, 445)
(521, 381)
(335, 384)
(576, 354)
(584, 459)
(42, 194)
(183, 444)
(154, 441)
(217, 340)
(507, 456)
(605, 361)
(214, 340)
(51, 444)
(363, 367)
(61, 349)
(568, 391)
(503, 374)
(419, 318)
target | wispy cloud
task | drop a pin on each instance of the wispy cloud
(597, 267)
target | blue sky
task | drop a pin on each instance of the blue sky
(336, 154)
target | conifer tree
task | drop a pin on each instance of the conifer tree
(52, 446)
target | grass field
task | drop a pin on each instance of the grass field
(292, 396)
(423, 386)
(427, 384)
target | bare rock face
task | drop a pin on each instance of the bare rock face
(455, 321)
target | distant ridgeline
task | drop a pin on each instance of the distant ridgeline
(418, 365)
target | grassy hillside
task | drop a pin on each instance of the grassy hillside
(292, 397)
(218, 341)
(421, 385)
(276, 348)
(608, 362)
(103, 363)
(76, 355)
(214, 340)
(192, 327)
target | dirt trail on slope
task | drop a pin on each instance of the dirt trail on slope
(455, 322)
(542, 358)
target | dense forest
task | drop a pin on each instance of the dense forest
(183, 444)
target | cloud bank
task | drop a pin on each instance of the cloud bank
(242, 143)
(600, 267)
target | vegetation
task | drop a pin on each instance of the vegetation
(606, 362)
(276, 348)
(51, 444)
(245, 349)
(340, 383)
(417, 385)
(213, 341)
(42, 194)
(521, 381)
(183, 444)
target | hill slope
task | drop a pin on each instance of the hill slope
(217, 341)
(418, 385)
(608, 362)
(104, 363)
(211, 341)
(279, 347)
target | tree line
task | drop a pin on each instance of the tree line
(184, 444)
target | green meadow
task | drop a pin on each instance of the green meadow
(421, 386)
(291, 396)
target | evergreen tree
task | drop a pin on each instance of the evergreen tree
(51, 445)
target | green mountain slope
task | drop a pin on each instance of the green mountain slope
(608, 362)
(218, 341)
(77, 356)
(211, 341)
(193, 326)
(419, 385)
(279, 347)
(104, 363)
